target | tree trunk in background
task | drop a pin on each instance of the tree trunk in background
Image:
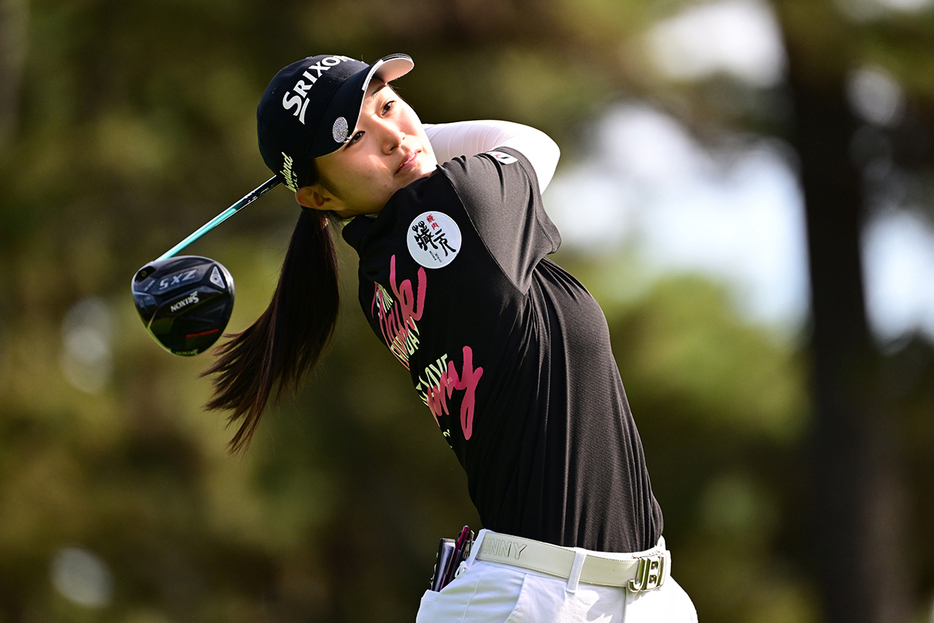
(856, 518)
(14, 21)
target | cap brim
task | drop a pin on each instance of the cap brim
(389, 68)
(348, 101)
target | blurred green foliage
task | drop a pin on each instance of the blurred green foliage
(126, 125)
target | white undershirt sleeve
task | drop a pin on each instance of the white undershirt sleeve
(467, 138)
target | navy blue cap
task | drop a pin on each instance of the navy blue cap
(311, 107)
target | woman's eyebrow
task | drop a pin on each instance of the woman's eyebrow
(378, 89)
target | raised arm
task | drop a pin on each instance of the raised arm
(466, 138)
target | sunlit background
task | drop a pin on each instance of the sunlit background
(735, 213)
(126, 125)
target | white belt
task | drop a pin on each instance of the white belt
(642, 572)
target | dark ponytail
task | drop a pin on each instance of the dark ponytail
(288, 338)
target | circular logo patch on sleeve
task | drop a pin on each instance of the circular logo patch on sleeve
(434, 239)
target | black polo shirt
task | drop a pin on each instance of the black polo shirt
(510, 353)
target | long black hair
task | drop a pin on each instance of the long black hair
(287, 340)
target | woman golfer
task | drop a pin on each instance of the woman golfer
(509, 352)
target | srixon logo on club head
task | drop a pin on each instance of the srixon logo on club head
(297, 97)
(191, 299)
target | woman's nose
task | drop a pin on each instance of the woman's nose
(391, 136)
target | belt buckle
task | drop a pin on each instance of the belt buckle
(650, 574)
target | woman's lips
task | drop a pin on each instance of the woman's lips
(409, 162)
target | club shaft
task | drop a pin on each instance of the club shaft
(249, 198)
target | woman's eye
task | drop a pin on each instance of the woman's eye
(355, 138)
(388, 106)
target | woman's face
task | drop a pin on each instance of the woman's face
(387, 151)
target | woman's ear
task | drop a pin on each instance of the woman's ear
(314, 197)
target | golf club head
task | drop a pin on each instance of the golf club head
(184, 302)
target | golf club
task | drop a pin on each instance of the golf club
(186, 301)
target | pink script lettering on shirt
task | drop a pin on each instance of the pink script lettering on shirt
(398, 320)
(437, 397)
